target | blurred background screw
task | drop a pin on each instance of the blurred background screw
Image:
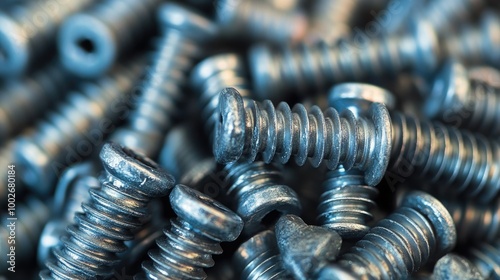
(486, 257)
(452, 266)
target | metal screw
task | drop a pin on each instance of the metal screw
(421, 229)
(114, 211)
(194, 236)
(453, 266)
(90, 42)
(246, 131)
(259, 258)
(163, 88)
(485, 74)
(28, 31)
(486, 257)
(69, 133)
(319, 66)
(457, 100)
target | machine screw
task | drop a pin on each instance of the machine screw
(244, 131)
(90, 42)
(259, 258)
(486, 257)
(453, 266)
(421, 229)
(462, 102)
(28, 32)
(163, 88)
(305, 248)
(69, 133)
(317, 67)
(194, 236)
(109, 219)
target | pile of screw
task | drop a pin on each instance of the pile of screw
(153, 139)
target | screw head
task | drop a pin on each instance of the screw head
(14, 53)
(135, 170)
(490, 25)
(265, 73)
(187, 21)
(427, 46)
(439, 217)
(205, 214)
(230, 130)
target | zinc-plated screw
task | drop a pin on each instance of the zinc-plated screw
(452, 266)
(28, 31)
(486, 257)
(259, 195)
(476, 45)
(419, 230)
(261, 21)
(24, 100)
(259, 258)
(212, 75)
(91, 41)
(109, 219)
(475, 222)
(347, 200)
(194, 236)
(462, 102)
(75, 129)
(317, 67)
(163, 88)
(32, 215)
(245, 131)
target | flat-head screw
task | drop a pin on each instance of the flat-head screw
(75, 128)
(452, 266)
(245, 131)
(28, 30)
(90, 42)
(421, 229)
(114, 211)
(317, 67)
(164, 85)
(194, 236)
(459, 101)
(486, 258)
(259, 258)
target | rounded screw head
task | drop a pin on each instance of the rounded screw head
(87, 46)
(264, 73)
(358, 97)
(230, 130)
(189, 22)
(427, 46)
(205, 214)
(383, 133)
(334, 272)
(440, 218)
(14, 53)
(451, 85)
(143, 175)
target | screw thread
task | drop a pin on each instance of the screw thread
(486, 257)
(346, 202)
(332, 20)
(396, 247)
(475, 222)
(459, 162)
(466, 46)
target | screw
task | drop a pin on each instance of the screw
(421, 229)
(347, 200)
(114, 211)
(24, 100)
(305, 248)
(486, 257)
(69, 133)
(163, 88)
(194, 236)
(485, 74)
(453, 266)
(246, 131)
(317, 67)
(28, 31)
(259, 258)
(259, 195)
(259, 20)
(212, 75)
(91, 41)
(457, 100)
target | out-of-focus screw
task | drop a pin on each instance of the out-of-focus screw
(421, 229)
(28, 32)
(462, 102)
(90, 42)
(260, 21)
(453, 266)
(163, 88)
(259, 258)
(194, 236)
(486, 257)
(485, 74)
(245, 131)
(75, 129)
(319, 66)
(114, 211)
(305, 249)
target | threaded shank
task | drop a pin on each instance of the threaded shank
(332, 20)
(486, 257)
(459, 162)
(346, 202)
